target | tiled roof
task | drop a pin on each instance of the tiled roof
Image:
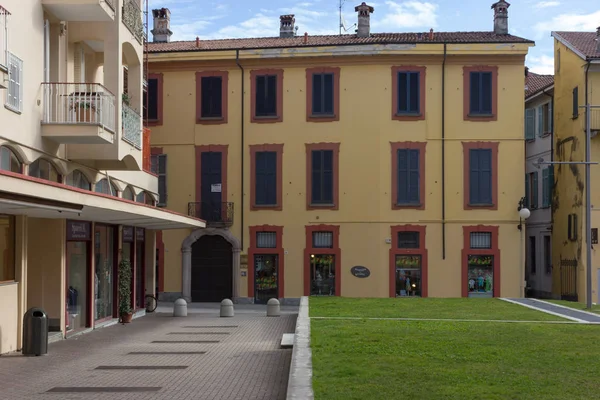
(585, 42)
(536, 83)
(328, 40)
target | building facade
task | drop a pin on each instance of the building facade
(576, 83)
(539, 183)
(364, 165)
(77, 191)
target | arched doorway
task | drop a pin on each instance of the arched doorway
(212, 272)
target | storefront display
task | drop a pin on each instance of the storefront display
(265, 277)
(77, 281)
(408, 275)
(322, 275)
(480, 275)
(104, 271)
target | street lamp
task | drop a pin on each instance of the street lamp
(524, 213)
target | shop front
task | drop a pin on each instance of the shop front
(105, 262)
(133, 249)
(79, 268)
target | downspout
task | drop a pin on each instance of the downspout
(237, 61)
(444, 154)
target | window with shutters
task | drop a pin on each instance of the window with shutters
(322, 94)
(267, 95)
(162, 179)
(153, 100)
(14, 94)
(4, 15)
(480, 93)
(408, 93)
(544, 119)
(211, 97)
(547, 186)
(322, 179)
(575, 102)
(531, 190)
(408, 175)
(266, 177)
(530, 124)
(480, 177)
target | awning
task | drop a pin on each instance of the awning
(24, 195)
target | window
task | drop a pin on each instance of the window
(408, 240)
(9, 160)
(103, 186)
(322, 94)
(480, 261)
(14, 94)
(128, 194)
(572, 227)
(321, 262)
(78, 179)
(145, 198)
(530, 124)
(547, 186)
(575, 102)
(480, 171)
(408, 262)
(548, 254)
(532, 258)
(531, 190)
(7, 247)
(480, 275)
(408, 191)
(322, 240)
(480, 240)
(44, 169)
(3, 38)
(153, 96)
(266, 178)
(265, 263)
(161, 171)
(480, 93)
(211, 97)
(267, 95)
(266, 240)
(408, 92)
(322, 177)
(544, 119)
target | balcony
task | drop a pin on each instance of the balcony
(78, 113)
(216, 215)
(132, 127)
(595, 120)
(82, 10)
(132, 19)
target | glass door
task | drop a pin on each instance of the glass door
(265, 278)
(77, 285)
(481, 276)
(408, 275)
(322, 275)
(104, 272)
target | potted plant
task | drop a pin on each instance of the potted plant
(125, 97)
(84, 111)
(125, 310)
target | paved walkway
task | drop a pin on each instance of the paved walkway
(561, 311)
(201, 356)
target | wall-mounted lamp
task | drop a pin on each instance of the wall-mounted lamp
(524, 213)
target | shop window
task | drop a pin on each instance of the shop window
(44, 169)
(480, 275)
(322, 240)
(7, 248)
(128, 194)
(78, 179)
(266, 240)
(408, 275)
(9, 160)
(104, 253)
(408, 240)
(481, 240)
(265, 276)
(103, 186)
(322, 274)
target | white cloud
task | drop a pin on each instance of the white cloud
(546, 4)
(543, 65)
(408, 14)
(568, 22)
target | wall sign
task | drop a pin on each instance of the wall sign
(360, 272)
(128, 233)
(78, 230)
(215, 188)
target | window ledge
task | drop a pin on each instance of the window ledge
(12, 109)
(481, 205)
(7, 283)
(530, 140)
(266, 207)
(266, 116)
(322, 115)
(409, 205)
(322, 205)
(545, 134)
(409, 114)
(211, 118)
(471, 115)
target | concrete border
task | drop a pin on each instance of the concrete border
(300, 378)
(545, 311)
(569, 308)
(504, 321)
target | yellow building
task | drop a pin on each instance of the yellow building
(357, 165)
(576, 83)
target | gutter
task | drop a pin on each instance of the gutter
(444, 154)
(237, 61)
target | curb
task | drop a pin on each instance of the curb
(300, 378)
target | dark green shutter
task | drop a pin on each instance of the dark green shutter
(527, 190)
(529, 124)
(545, 186)
(535, 190)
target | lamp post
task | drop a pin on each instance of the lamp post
(524, 213)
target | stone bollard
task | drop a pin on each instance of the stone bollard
(227, 308)
(273, 309)
(180, 308)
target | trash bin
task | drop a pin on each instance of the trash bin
(35, 332)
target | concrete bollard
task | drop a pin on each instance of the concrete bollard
(180, 308)
(273, 309)
(227, 308)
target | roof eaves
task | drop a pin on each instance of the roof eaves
(539, 92)
(569, 45)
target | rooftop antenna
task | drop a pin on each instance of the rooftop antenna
(343, 24)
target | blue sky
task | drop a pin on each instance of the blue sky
(532, 19)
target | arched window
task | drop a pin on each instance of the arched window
(102, 186)
(44, 169)
(9, 160)
(145, 198)
(79, 180)
(128, 193)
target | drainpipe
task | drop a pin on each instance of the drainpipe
(237, 61)
(444, 154)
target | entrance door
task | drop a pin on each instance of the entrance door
(77, 286)
(265, 277)
(210, 189)
(212, 269)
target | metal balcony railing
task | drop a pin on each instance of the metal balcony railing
(215, 214)
(132, 126)
(78, 103)
(595, 119)
(132, 18)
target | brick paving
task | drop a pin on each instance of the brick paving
(247, 363)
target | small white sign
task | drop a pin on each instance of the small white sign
(215, 188)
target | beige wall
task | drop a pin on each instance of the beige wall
(9, 317)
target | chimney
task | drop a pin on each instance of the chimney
(162, 25)
(286, 27)
(598, 40)
(501, 17)
(431, 34)
(364, 20)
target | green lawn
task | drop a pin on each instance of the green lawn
(387, 360)
(578, 306)
(490, 309)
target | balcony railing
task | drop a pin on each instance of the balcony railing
(79, 103)
(132, 18)
(111, 3)
(215, 214)
(132, 127)
(595, 119)
(146, 153)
